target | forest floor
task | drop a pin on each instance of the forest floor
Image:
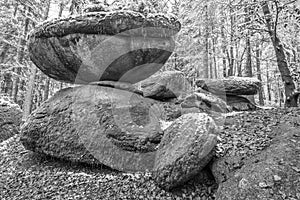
(25, 175)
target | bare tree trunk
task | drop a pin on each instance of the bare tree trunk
(29, 93)
(214, 57)
(290, 89)
(223, 45)
(231, 48)
(248, 68)
(20, 55)
(206, 45)
(268, 83)
(261, 90)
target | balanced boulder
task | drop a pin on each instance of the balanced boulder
(94, 124)
(186, 148)
(10, 119)
(121, 46)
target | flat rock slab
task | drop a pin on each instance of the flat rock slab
(10, 119)
(273, 173)
(94, 124)
(186, 148)
(230, 85)
(165, 85)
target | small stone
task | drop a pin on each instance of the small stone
(263, 185)
(243, 183)
(277, 178)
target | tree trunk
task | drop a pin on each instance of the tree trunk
(231, 49)
(206, 46)
(290, 89)
(29, 93)
(268, 83)
(20, 56)
(261, 90)
(248, 68)
(214, 57)
(223, 45)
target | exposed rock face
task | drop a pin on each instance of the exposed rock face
(94, 124)
(205, 102)
(10, 119)
(165, 85)
(186, 148)
(230, 85)
(103, 46)
(273, 173)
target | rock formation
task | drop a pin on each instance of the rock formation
(120, 46)
(232, 89)
(108, 121)
(124, 115)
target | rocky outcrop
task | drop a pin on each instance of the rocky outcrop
(185, 149)
(120, 46)
(272, 173)
(94, 124)
(233, 90)
(230, 85)
(10, 119)
(165, 85)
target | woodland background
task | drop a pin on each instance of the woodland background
(219, 38)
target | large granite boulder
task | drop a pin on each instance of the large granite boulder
(94, 124)
(165, 85)
(272, 173)
(10, 119)
(121, 46)
(230, 85)
(186, 148)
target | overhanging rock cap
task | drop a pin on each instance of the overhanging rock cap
(110, 23)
